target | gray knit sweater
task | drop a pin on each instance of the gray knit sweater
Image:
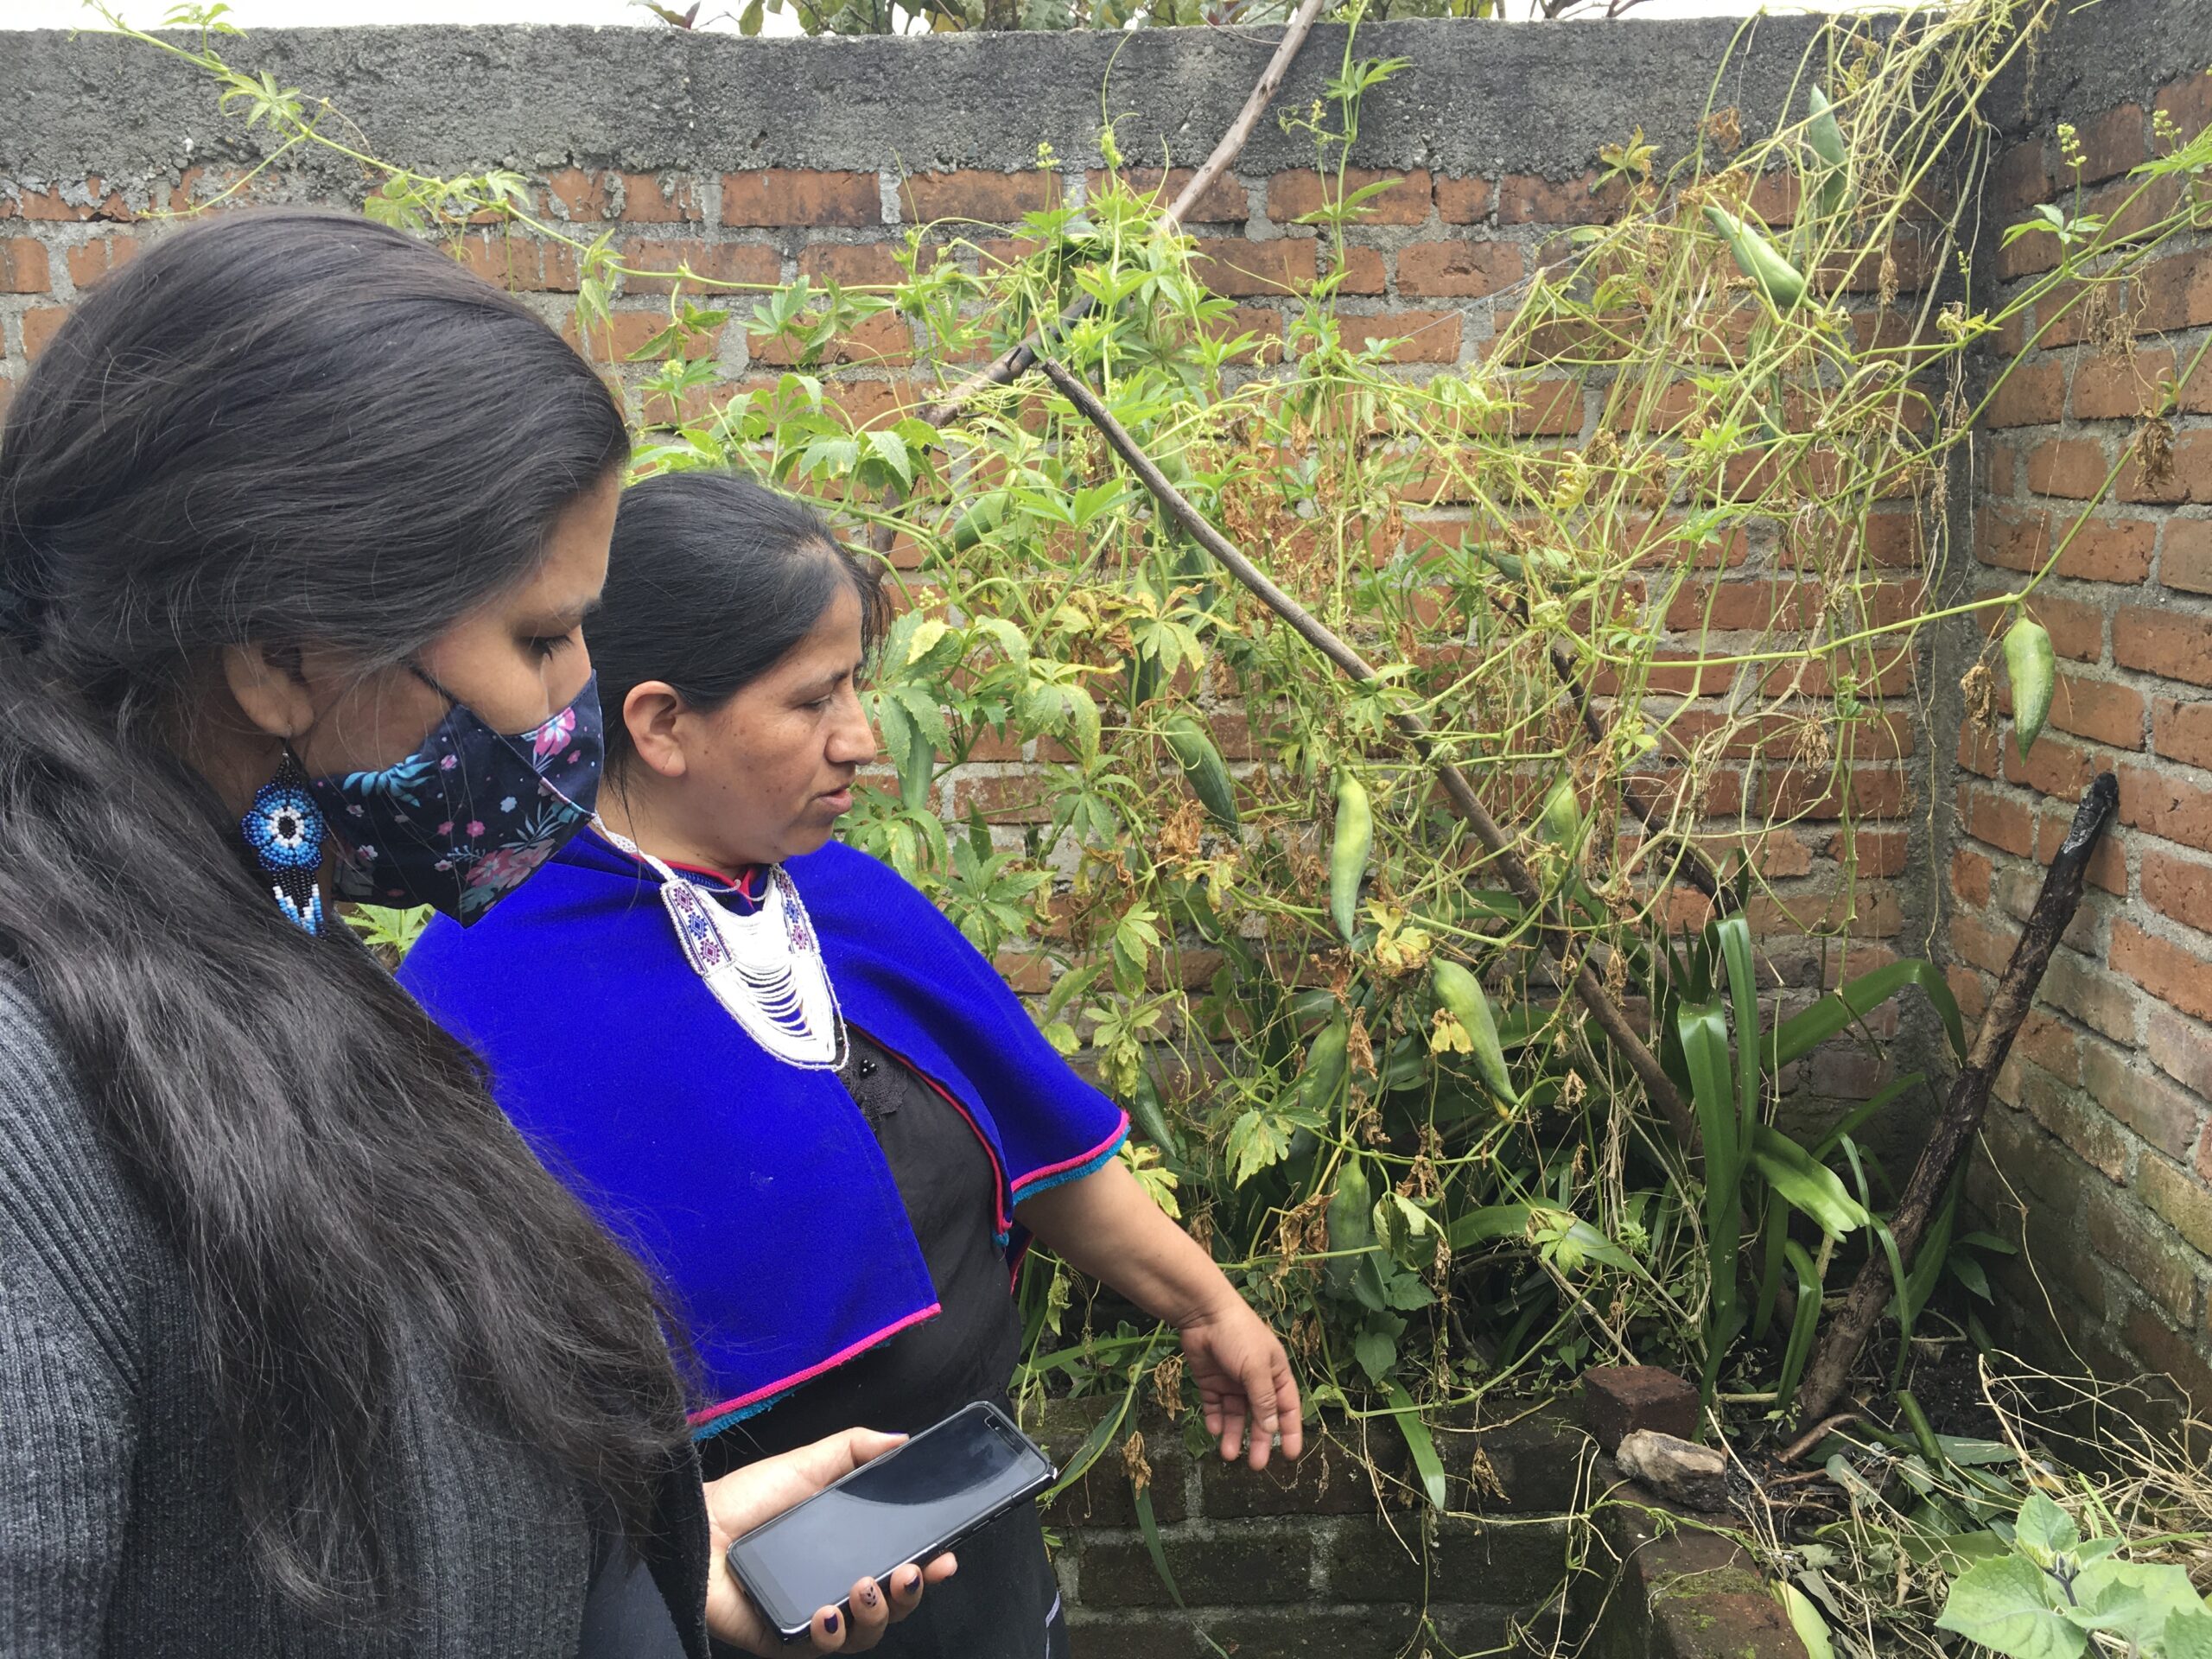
(118, 1531)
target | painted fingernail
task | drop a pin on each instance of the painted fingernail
(830, 1624)
(913, 1580)
(867, 1593)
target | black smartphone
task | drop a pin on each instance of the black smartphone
(914, 1502)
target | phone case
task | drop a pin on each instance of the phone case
(780, 1618)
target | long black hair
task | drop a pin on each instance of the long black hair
(278, 428)
(711, 581)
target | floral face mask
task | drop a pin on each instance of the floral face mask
(462, 822)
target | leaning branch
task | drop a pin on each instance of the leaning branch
(1011, 365)
(1518, 877)
(1969, 1098)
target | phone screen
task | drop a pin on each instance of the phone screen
(909, 1502)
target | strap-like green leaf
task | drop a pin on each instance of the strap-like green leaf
(1806, 1186)
(1801, 1033)
(1426, 1463)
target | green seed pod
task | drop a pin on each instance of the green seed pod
(1351, 1225)
(1151, 1118)
(1348, 860)
(1202, 766)
(1821, 132)
(1462, 997)
(983, 516)
(1323, 1071)
(2033, 670)
(1561, 817)
(1774, 276)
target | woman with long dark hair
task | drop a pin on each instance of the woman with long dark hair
(302, 1351)
(801, 1094)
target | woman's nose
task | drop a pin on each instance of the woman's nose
(853, 743)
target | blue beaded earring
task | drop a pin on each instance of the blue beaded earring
(284, 831)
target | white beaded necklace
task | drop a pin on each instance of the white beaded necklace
(765, 969)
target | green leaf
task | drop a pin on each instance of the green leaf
(1426, 1462)
(2044, 1527)
(2189, 1633)
(2007, 1604)
(1149, 1525)
(1805, 1620)
(1811, 1188)
(1376, 1349)
(1801, 1033)
(1256, 1141)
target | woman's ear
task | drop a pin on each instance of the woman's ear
(653, 711)
(270, 684)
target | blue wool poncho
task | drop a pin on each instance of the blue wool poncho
(754, 1188)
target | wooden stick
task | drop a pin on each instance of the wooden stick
(1969, 1098)
(1588, 986)
(1011, 365)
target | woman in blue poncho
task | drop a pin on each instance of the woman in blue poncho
(775, 1069)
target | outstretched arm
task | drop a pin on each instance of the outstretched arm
(1106, 1225)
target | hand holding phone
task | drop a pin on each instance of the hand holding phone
(740, 1503)
(908, 1505)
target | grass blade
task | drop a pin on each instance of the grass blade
(1426, 1462)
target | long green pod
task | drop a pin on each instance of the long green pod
(1461, 994)
(1348, 858)
(1821, 132)
(1756, 256)
(1202, 766)
(1323, 1071)
(2032, 666)
(1562, 814)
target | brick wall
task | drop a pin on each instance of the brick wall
(1334, 1556)
(2098, 1153)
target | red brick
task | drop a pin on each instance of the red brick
(625, 332)
(1525, 200)
(2101, 550)
(2179, 888)
(2180, 1048)
(23, 266)
(2182, 731)
(1223, 202)
(1997, 820)
(864, 265)
(2174, 974)
(972, 193)
(100, 203)
(798, 195)
(1458, 268)
(1239, 268)
(2034, 394)
(89, 261)
(648, 199)
(1363, 272)
(884, 338)
(1970, 876)
(2073, 467)
(2100, 710)
(2173, 643)
(2188, 101)
(2166, 805)
(2168, 1118)
(1463, 201)
(2102, 1003)
(1422, 336)
(1880, 852)
(2177, 293)
(711, 261)
(41, 324)
(2188, 476)
(519, 262)
(585, 195)
(2185, 560)
(2107, 388)
(1293, 195)
(2111, 143)
(2019, 179)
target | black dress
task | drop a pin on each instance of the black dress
(1003, 1603)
